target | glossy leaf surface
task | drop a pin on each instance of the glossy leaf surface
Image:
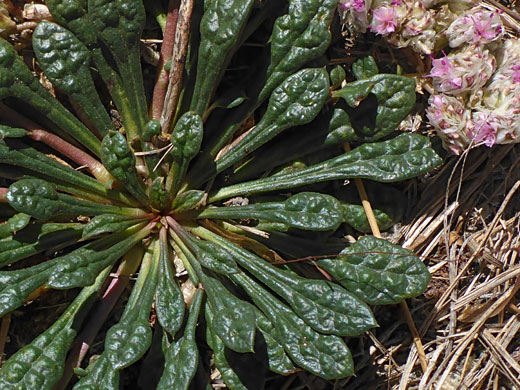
(306, 210)
(400, 158)
(378, 271)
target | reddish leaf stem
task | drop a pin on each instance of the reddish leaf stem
(59, 144)
(161, 81)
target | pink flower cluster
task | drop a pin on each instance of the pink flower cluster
(476, 85)
(462, 71)
(482, 74)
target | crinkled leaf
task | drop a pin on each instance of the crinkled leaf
(306, 210)
(188, 200)
(14, 224)
(215, 258)
(234, 319)
(365, 68)
(40, 200)
(158, 195)
(74, 16)
(295, 102)
(16, 286)
(120, 161)
(126, 342)
(187, 136)
(326, 356)
(119, 24)
(23, 156)
(378, 271)
(325, 306)
(40, 364)
(325, 131)
(337, 76)
(237, 322)
(66, 62)
(16, 80)
(182, 356)
(394, 98)
(229, 376)
(220, 30)
(186, 141)
(279, 362)
(298, 37)
(101, 376)
(400, 158)
(81, 267)
(169, 301)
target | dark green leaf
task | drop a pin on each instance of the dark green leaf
(73, 15)
(295, 102)
(169, 301)
(279, 362)
(394, 98)
(365, 68)
(325, 306)
(355, 216)
(119, 24)
(234, 319)
(14, 224)
(182, 356)
(126, 342)
(186, 137)
(337, 76)
(16, 286)
(11, 132)
(101, 376)
(400, 158)
(108, 223)
(220, 30)
(16, 80)
(298, 37)
(229, 376)
(40, 364)
(378, 271)
(81, 267)
(120, 161)
(214, 257)
(39, 199)
(66, 62)
(326, 356)
(186, 141)
(236, 322)
(22, 156)
(306, 210)
(188, 200)
(37, 238)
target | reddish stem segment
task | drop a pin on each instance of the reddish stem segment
(182, 34)
(161, 82)
(3, 195)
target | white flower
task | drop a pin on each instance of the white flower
(449, 117)
(477, 26)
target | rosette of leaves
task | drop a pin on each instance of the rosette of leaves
(224, 197)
